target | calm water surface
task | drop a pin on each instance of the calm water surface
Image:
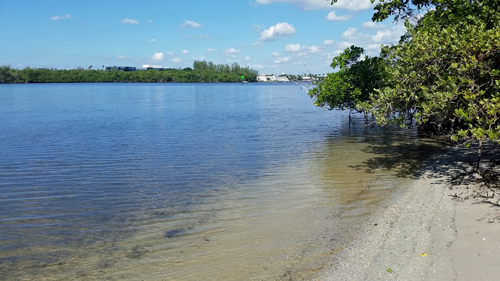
(184, 181)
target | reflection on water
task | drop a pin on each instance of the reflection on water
(186, 182)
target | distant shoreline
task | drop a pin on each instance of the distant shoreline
(131, 82)
(201, 72)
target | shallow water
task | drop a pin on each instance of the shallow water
(185, 181)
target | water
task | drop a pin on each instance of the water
(185, 181)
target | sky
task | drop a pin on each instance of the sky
(270, 36)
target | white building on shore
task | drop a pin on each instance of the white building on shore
(272, 78)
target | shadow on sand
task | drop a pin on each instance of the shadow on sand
(439, 158)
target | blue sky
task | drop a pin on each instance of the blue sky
(271, 36)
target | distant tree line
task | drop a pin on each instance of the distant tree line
(202, 72)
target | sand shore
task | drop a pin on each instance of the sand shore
(438, 230)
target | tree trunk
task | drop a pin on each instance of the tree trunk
(479, 155)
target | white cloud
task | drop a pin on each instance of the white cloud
(247, 58)
(313, 49)
(293, 48)
(370, 41)
(122, 57)
(282, 60)
(151, 65)
(67, 16)
(372, 47)
(129, 21)
(258, 28)
(177, 60)
(231, 51)
(370, 24)
(302, 55)
(353, 5)
(344, 44)
(274, 54)
(211, 50)
(169, 53)
(350, 33)
(328, 42)
(333, 17)
(275, 31)
(329, 56)
(382, 35)
(152, 40)
(302, 51)
(185, 52)
(200, 36)
(150, 21)
(157, 56)
(190, 24)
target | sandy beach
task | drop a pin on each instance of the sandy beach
(445, 226)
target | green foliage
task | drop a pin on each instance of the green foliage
(7, 75)
(445, 72)
(448, 11)
(448, 73)
(352, 85)
(224, 73)
(201, 72)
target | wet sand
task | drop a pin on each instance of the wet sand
(439, 229)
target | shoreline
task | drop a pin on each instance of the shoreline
(429, 233)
